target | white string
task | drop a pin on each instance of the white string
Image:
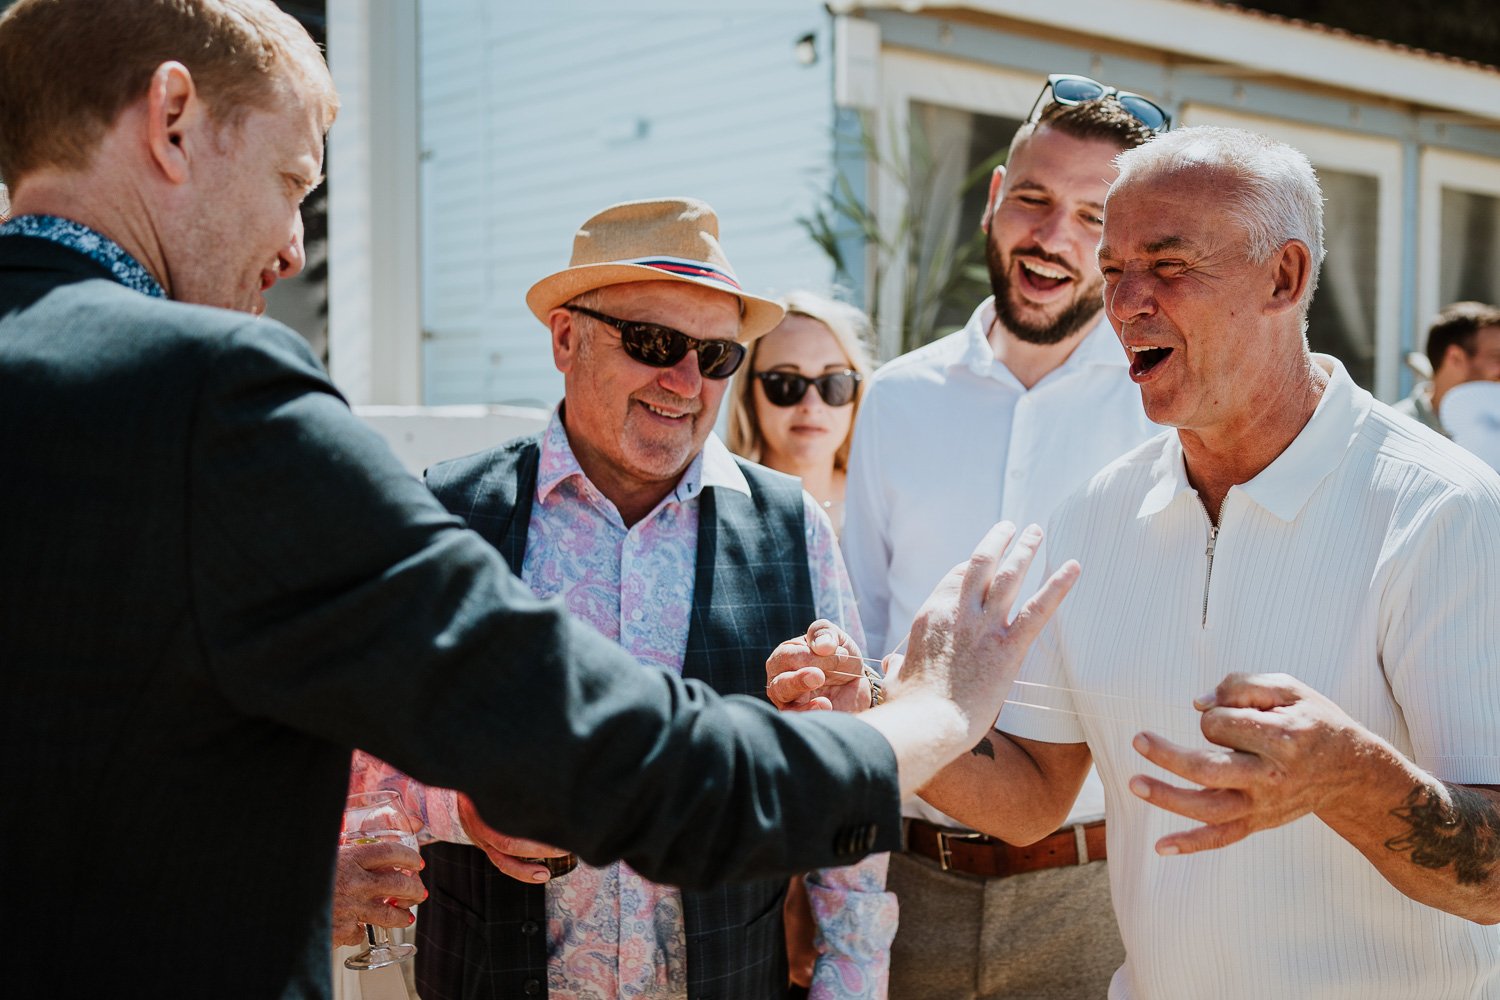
(1132, 723)
(1066, 711)
(1155, 703)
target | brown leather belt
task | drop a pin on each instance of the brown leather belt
(977, 854)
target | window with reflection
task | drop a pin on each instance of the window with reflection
(1341, 320)
(1470, 264)
(952, 153)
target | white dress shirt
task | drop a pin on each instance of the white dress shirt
(1365, 560)
(948, 442)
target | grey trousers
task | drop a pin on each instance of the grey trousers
(1047, 935)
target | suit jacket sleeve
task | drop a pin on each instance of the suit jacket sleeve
(337, 597)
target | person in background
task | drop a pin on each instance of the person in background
(1463, 345)
(793, 405)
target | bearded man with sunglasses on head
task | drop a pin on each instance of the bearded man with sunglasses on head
(629, 509)
(1002, 420)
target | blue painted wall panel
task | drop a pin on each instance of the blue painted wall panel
(535, 118)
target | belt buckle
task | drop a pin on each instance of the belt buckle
(945, 853)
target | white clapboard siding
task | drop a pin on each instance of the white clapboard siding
(533, 118)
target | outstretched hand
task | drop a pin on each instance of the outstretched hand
(1281, 750)
(965, 646)
(964, 651)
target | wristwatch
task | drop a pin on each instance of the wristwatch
(877, 685)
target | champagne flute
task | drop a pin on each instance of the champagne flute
(371, 817)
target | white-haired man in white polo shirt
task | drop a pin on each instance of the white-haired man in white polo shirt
(1325, 570)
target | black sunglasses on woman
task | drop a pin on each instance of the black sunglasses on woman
(788, 388)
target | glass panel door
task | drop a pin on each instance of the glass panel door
(952, 154)
(1341, 320)
(1470, 241)
(939, 124)
(1459, 250)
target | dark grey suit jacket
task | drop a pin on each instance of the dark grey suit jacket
(214, 581)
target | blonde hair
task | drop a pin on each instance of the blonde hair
(849, 326)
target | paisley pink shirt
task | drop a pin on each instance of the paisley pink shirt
(612, 933)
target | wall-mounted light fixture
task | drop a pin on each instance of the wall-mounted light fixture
(806, 49)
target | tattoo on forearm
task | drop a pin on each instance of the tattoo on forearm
(984, 749)
(1464, 833)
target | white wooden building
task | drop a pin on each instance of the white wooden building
(477, 135)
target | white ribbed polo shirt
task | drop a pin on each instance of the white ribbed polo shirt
(948, 442)
(1365, 561)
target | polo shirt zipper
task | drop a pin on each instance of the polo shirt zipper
(1213, 539)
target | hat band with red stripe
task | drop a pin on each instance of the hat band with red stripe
(686, 268)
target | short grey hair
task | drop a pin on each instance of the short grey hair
(1273, 190)
(590, 299)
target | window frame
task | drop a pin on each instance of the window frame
(1442, 168)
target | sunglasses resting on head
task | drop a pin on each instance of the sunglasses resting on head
(1070, 90)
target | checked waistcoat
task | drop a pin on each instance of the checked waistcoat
(482, 935)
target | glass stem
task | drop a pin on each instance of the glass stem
(378, 936)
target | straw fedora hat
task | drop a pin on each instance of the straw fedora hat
(662, 239)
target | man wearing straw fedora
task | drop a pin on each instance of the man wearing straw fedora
(631, 510)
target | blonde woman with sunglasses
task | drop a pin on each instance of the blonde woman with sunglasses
(793, 404)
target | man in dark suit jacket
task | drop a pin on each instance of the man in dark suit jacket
(631, 511)
(214, 581)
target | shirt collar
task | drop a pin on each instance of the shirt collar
(1098, 347)
(1283, 487)
(978, 356)
(712, 466)
(92, 244)
(1421, 398)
